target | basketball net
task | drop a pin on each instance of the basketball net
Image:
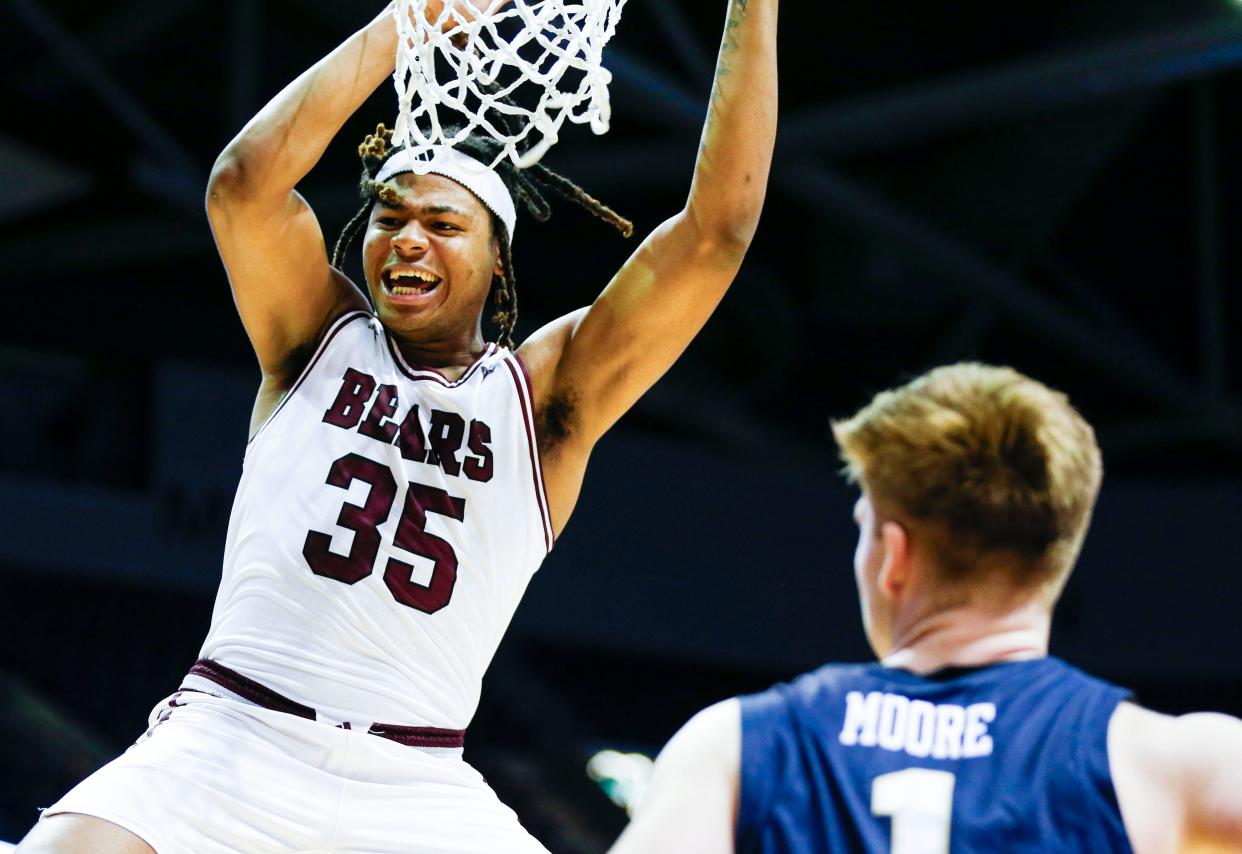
(516, 74)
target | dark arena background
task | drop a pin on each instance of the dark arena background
(1052, 185)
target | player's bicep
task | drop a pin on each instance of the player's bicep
(1143, 778)
(285, 290)
(644, 319)
(690, 805)
(1177, 779)
(1211, 745)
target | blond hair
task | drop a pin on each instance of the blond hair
(998, 468)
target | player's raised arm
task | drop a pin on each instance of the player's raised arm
(268, 237)
(594, 364)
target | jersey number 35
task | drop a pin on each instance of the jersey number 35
(411, 535)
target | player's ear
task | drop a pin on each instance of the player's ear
(895, 568)
(498, 268)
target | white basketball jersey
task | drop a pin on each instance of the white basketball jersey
(386, 525)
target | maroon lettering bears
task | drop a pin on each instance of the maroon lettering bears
(359, 407)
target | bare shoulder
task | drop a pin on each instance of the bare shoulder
(1173, 742)
(1171, 775)
(542, 351)
(690, 805)
(1131, 724)
(705, 755)
(707, 747)
(714, 735)
(1209, 728)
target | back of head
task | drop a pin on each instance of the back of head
(991, 468)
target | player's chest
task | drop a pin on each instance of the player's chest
(455, 431)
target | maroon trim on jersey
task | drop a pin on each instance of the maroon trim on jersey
(536, 470)
(264, 697)
(337, 325)
(420, 736)
(543, 484)
(248, 689)
(422, 372)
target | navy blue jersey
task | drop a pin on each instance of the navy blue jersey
(1012, 757)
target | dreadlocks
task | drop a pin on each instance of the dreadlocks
(529, 189)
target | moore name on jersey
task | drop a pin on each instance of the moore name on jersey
(917, 727)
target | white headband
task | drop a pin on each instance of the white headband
(462, 168)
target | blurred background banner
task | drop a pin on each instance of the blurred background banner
(1046, 185)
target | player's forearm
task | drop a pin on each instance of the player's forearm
(281, 144)
(735, 152)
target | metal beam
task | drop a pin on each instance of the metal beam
(96, 79)
(1122, 358)
(1085, 297)
(126, 28)
(607, 167)
(94, 247)
(176, 186)
(33, 180)
(686, 46)
(851, 204)
(987, 96)
(649, 92)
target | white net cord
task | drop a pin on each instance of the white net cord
(516, 73)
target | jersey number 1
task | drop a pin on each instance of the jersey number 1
(920, 802)
(411, 535)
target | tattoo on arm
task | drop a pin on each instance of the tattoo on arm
(729, 44)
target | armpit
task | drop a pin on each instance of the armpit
(558, 421)
(296, 360)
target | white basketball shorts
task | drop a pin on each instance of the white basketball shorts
(215, 775)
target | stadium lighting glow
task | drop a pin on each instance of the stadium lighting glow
(622, 776)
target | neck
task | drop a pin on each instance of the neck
(451, 356)
(970, 636)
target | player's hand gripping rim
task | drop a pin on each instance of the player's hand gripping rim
(452, 17)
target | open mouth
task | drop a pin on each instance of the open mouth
(410, 283)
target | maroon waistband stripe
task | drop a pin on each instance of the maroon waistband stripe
(248, 689)
(264, 697)
(420, 736)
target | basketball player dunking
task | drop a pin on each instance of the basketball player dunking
(977, 489)
(404, 478)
